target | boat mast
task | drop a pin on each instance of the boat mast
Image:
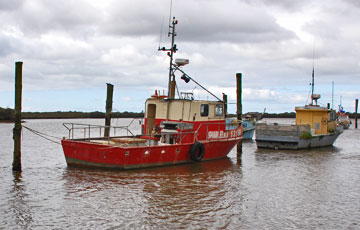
(332, 96)
(173, 67)
(312, 86)
(171, 51)
(340, 106)
(313, 76)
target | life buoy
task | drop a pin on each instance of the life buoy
(197, 151)
(324, 121)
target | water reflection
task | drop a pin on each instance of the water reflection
(176, 195)
(19, 208)
(186, 195)
(77, 175)
(263, 154)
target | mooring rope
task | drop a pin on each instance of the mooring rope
(43, 135)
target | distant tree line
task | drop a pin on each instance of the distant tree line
(258, 115)
(280, 115)
(8, 115)
(293, 115)
(74, 114)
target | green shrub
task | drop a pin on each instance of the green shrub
(305, 135)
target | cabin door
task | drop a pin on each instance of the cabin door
(151, 114)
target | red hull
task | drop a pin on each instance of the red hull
(86, 154)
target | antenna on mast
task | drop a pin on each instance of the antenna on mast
(161, 31)
(170, 53)
(170, 19)
(312, 85)
(314, 55)
(332, 96)
(314, 97)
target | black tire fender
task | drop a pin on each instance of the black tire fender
(324, 121)
(197, 151)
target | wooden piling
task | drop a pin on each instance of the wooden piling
(238, 96)
(225, 103)
(239, 105)
(356, 109)
(17, 127)
(109, 101)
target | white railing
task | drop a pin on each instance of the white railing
(88, 130)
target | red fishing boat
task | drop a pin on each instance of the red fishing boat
(175, 130)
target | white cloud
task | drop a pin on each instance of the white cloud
(126, 99)
(127, 55)
(78, 44)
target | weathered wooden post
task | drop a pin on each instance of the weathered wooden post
(239, 105)
(17, 127)
(225, 103)
(109, 100)
(238, 94)
(356, 109)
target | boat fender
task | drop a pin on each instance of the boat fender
(324, 121)
(197, 151)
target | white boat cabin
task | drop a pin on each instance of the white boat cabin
(184, 110)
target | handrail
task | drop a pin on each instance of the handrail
(71, 127)
(87, 127)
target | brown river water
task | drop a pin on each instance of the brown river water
(261, 189)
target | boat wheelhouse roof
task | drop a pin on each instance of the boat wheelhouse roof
(312, 107)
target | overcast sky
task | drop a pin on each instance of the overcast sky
(72, 48)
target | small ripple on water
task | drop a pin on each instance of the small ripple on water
(307, 189)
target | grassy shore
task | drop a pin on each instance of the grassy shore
(6, 115)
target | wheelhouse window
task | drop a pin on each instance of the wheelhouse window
(219, 110)
(332, 115)
(204, 110)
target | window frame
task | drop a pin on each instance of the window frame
(217, 109)
(204, 110)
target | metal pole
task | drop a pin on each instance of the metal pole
(171, 91)
(332, 96)
(17, 128)
(109, 100)
(312, 86)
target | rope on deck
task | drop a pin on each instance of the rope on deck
(43, 135)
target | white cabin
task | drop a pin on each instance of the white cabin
(186, 110)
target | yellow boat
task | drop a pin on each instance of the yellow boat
(315, 126)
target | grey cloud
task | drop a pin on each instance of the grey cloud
(355, 3)
(336, 35)
(234, 31)
(208, 22)
(6, 5)
(72, 44)
(5, 46)
(290, 5)
(37, 17)
(133, 18)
